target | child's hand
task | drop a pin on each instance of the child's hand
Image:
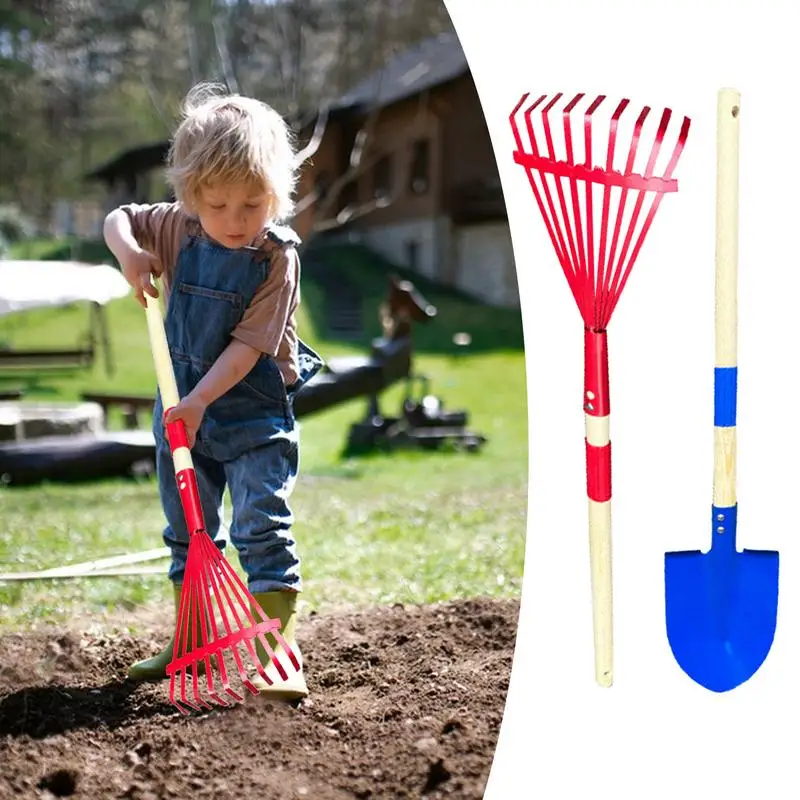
(191, 410)
(137, 267)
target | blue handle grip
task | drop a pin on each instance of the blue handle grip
(725, 380)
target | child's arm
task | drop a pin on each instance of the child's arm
(137, 263)
(236, 361)
(234, 364)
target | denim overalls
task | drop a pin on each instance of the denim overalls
(248, 438)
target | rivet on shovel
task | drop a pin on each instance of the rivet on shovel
(722, 606)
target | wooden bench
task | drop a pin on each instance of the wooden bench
(20, 360)
(130, 404)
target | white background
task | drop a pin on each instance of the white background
(655, 733)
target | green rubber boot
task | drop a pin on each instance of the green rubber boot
(281, 605)
(155, 668)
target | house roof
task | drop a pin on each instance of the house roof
(146, 156)
(430, 63)
(134, 160)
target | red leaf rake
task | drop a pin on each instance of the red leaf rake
(209, 582)
(591, 213)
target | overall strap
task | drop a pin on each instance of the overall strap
(283, 236)
(272, 240)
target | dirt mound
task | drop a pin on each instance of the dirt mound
(406, 702)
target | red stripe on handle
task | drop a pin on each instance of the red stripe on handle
(176, 434)
(598, 472)
(190, 500)
(596, 400)
(186, 479)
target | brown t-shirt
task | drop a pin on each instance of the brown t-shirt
(268, 324)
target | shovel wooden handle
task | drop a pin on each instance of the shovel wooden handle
(726, 308)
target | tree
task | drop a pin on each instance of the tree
(81, 80)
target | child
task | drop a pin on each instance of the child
(230, 277)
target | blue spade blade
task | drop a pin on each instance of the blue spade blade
(721, 607)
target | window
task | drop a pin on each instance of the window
(419, 178)
(382, 178)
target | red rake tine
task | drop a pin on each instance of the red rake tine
(201, 614)
(246, 602)
(196, 590)
(181, 633)
(233, 598)
(215, 558)
(212, 647)
(202, 653)
(195, 620)
(197, 617)
(251, 633)
(597, 268)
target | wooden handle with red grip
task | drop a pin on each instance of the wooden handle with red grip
(597, 410)
(185, 474)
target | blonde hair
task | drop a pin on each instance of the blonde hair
(227, 138)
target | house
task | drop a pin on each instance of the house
(428, 195)
(129, 176)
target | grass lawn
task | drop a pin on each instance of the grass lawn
(407, 527)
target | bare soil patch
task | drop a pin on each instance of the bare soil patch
(406, 702)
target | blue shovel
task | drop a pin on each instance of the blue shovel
(721, 606)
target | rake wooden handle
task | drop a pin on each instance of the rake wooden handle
(598, 483)
(726, 307)
(161, 357)
(176, 431)
(602, 596)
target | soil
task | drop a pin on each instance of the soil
(405, 702)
